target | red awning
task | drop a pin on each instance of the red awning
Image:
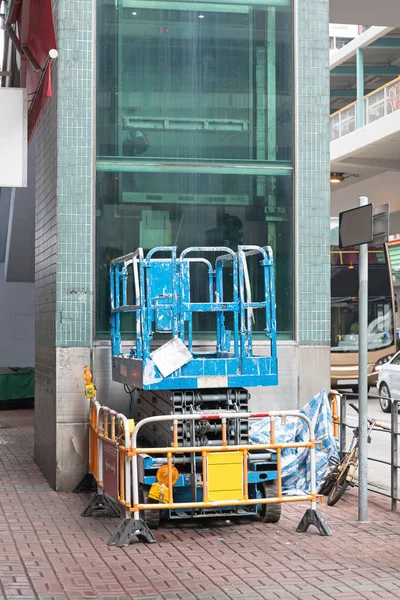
(36, 37)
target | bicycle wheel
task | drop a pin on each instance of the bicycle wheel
(339, 488)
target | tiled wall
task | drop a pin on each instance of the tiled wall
(74, 191)
(45, 285)
(313, 208)
(63, 249)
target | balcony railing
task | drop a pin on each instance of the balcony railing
(377, 104)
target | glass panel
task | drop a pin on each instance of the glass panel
(194, 133)
(344, 299)
(344, 325)
(349, 256)
(195, 210)
(210, 84)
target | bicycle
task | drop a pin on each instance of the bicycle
(342, 474)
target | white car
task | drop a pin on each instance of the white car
(389, 382)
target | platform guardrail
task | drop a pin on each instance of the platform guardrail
(379, 103)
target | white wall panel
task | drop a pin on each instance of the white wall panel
(13, 137)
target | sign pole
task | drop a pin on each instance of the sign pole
(363, 378)
(359, 227)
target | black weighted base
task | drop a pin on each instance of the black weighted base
(87, 484)
(313, 517)
(100, 502)
(129, 528)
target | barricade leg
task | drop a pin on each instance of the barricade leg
(87, 484)
(313, 517)
(101, 502)
(128, 529)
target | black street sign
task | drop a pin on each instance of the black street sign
(355, 226)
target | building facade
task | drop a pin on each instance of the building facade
(177, 123)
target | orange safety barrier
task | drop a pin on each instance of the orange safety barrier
(109, 462)
(93, 438)
(113, 462)
(206, 451)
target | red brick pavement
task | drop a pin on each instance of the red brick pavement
(47, 550)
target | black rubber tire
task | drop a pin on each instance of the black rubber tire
(270, 513)
(338, 489)
(150, 517)
(386, 407)
(327, 486)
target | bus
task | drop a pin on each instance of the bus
(344, 312)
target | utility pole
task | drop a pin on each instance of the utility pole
(363, 377)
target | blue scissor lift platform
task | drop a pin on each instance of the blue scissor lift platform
(175, 372)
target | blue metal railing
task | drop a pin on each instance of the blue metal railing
(160, 285)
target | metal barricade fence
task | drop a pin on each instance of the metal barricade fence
(93, 437)
(114, 473)
(393, 463)
(109, 461)
(205, 451)
(113, 462)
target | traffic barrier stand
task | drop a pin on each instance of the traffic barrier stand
(309, 517)
(109, 460)
(211, 457)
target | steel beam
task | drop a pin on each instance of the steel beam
(360, 88)
(126, 165)
(368, 70)
(385, 42)
(349, 93)
(13, 11)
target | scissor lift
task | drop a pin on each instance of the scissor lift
(176, 373)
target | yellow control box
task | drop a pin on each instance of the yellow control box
(225, 476)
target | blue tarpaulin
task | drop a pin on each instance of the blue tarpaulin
(296, 461)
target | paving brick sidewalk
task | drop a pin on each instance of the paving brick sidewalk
(47, 550)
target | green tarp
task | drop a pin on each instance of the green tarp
(17, 383)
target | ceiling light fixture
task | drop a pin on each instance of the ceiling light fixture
(336, 177)
(134, 14)
(201, 16)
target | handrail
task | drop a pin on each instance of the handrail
(343, 109)
(388, 104)
(394, 435)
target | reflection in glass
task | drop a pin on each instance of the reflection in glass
(196, 219)
(217, 88)
(194, 134)
(344, 300)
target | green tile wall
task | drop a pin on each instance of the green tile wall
(74, 172)
(313, 200)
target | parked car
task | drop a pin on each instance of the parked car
(389, 382)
